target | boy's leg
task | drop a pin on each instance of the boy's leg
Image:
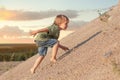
(37, 62)
(42, 52)
(54, 52)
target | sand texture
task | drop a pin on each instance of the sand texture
(94, 54)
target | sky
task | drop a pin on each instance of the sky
(18, 17)
(38, 5)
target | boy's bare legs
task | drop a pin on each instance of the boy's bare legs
(54, 52)
(37, 62)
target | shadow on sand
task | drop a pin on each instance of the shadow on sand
(78, 45)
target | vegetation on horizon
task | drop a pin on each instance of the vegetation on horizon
(17, 52)
(103, 16)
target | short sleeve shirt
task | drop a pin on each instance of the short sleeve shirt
(53, 33)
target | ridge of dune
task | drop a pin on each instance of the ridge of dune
(94, 54)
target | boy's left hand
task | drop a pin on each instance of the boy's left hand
(65, 48)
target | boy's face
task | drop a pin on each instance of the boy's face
(64, 25)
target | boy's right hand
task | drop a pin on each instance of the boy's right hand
(33, 33)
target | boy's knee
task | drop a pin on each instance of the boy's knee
(57, 42)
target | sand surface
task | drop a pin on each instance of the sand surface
(94, 54)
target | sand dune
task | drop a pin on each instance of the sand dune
(94, 54)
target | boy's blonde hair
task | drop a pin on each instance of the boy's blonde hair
(60, 19)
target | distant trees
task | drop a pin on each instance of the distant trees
(17, 53)
(16, 56)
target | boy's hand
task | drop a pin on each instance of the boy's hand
(65, 48)
(33, 33)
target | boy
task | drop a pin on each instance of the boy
(48, 37)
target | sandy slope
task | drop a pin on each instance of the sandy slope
(5, 66)
(94, 55)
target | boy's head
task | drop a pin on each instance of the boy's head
(61, 21)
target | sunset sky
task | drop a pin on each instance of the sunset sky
(17, 17)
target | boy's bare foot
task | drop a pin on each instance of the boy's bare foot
(53, 60)
(32, 71)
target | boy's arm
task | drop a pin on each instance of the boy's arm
(37, 31)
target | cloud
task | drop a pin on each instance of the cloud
(10, 32)
(20, 15)
(16, 32)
